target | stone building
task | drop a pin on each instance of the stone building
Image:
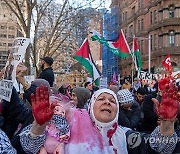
(8, 32)
(158, 20)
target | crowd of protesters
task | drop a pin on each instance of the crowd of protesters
(84, 119)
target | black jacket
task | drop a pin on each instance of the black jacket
(150, 117)
(48, 75)
(131, 118)
(14, 113)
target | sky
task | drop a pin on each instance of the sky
(94, 4)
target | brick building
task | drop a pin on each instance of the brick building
(157, 19)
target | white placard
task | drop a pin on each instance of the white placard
(145, 76)
(18, 50)
(6, 89)
(103, 82)
(16, 56)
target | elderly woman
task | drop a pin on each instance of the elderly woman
(93, 132)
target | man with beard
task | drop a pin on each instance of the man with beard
(47, 71)
(140, 95)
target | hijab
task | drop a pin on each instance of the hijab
(90, 136)
(113, 135)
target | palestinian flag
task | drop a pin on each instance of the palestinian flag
(136, 54)
(120, 47)
(84, 57)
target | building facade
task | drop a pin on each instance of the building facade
(110, 32)
(8, 32)
(156, 24)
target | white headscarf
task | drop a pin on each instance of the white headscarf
(90, 136)
(113, 135)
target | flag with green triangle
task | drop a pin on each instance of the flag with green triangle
(120, 47)
(83, 56)
(136, 54)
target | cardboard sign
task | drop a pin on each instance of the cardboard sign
(103, 82)
(16, 56)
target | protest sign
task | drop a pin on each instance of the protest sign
(145, 76)
(18, 50)
(6, 89)
(16, 56)
(103, 82)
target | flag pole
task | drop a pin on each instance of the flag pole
(149, 53)
(132, 74)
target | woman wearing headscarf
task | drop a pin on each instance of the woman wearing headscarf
(95, 131)
(92, 132)
(80, 96)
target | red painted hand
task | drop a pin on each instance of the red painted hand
(41, 108)
(168, 107)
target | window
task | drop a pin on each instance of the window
(155, 41)
(10, 44)
(142, 24)
(139, 25)
(2, 44)
(155, 15)
(141, 3)
(142, 46)
(125, 32)
(151, 45)
(3, 27)
(171, 38)
(171, 11)
(11, 36)
(133, 10)
(3, 35)
(131, 31)
(126, 16)
(11, 27)
(151, 17)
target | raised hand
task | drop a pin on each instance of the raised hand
(168, 107)
(42, 110)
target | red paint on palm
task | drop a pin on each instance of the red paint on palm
(163, 82)
(42, 110)
(168, 107)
